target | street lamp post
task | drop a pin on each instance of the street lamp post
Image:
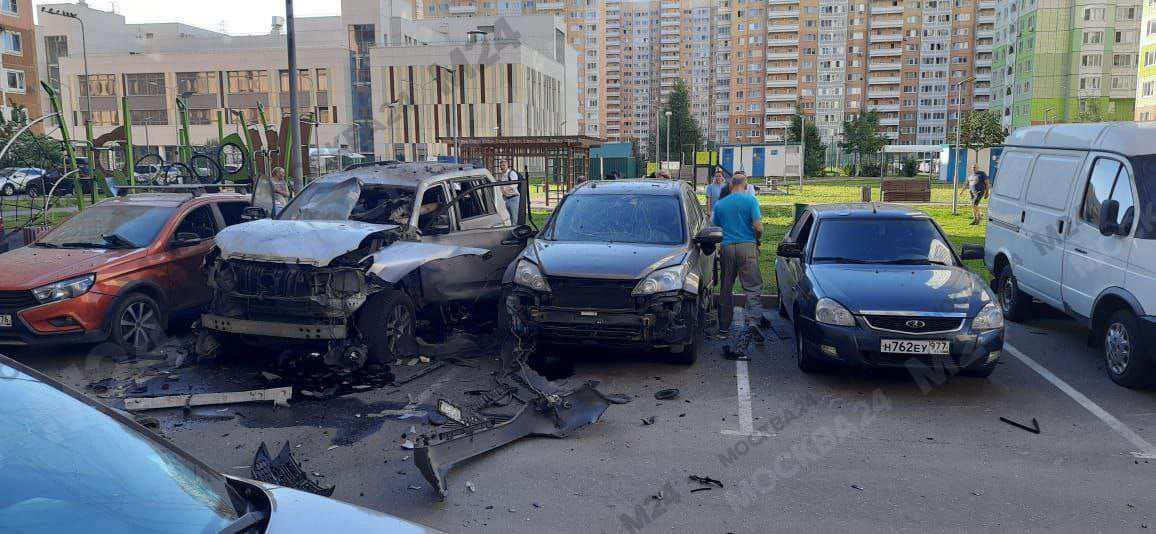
(294, 113)
(802, 146)
(958, 159)
(668, 114)
(84, 52)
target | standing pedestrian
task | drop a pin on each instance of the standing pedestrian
(977, 186)
(714, 190)
(742, 224)
(509, 192)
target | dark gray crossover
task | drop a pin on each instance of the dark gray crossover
(879, 285)
(627, 263)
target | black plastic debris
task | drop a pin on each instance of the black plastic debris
(619, 398)
(666, 394)
(706, 481)
(695, 490)
(1034, 429)
(285, 471)
(647, 421)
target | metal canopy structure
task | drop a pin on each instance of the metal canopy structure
(566, 157)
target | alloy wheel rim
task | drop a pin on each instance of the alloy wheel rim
(140, 325)
(1005, 294)
(398, 325)
(1117, 348)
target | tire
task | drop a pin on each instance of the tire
(32, 190)
(1126, 363)
(137, 324)
(1015, 303)
(807, 362)
(387, 322)
(8, 190)
(691, 351)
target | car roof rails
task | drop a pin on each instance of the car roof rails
(364, 164)
(193, 190)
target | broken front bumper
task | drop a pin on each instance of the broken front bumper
(657, 321)
(273, 329)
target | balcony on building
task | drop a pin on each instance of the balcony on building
(774, 14)
(777, 124)
(889, 121)
(885, 52)
(667, 23)
(783, 28)
(771, 56)
(883, 108)
(987, 4)
(876, 66)
(782, 2)
(794, 41)
(793, 82)
(781, 97)
(886, 37)
(985, 34)
(463, 9)
(883, 80)
(983, 48)
(886, 22)
(985, 19)
(884, 10)
(782, 69)
(543, 6)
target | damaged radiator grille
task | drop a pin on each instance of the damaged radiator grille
(273, 279)
(586, 293)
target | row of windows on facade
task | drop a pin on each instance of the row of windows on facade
(197, 117)
(204, 83)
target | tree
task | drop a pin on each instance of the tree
(861, 137)
(816, 151)
(684, 131)
(980, 129)
(29, 149)
(1089, 111)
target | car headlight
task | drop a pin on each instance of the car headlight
(528, 275)
(663, 280)
(64, 289)
(828, 311)
(989, 318)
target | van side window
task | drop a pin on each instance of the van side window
(1109, 180)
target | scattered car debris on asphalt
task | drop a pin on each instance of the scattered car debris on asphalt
(279, 396)
(857, 487)
(695, 490)
(705, 480)
(1034, 429)
(619, 398)
(666, 394)
(285, 471)
(647, 421)
(534, 406)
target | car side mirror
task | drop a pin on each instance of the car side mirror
(1109, 212)
(436, 223)
(254, 213)
(186, 239)
(524, 231)
(790, 249)
(709, 235)
(971, 252)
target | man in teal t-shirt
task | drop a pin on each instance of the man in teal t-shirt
(741, 221)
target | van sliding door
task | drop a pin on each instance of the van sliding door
(1046, 224)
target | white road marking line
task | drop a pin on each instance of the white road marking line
(743, 380)
(1147, 450)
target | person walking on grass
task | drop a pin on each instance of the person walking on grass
(977, 186)
(741, 221)
(509, 192)
(714, 190)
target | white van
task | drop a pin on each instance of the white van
(1071, 224)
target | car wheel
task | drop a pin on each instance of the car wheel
(690, 352)
(8, 190)
(32, 190)
(807, 362)
(1125, 361)
(388, 324)
(138, 324)
(1015, 303)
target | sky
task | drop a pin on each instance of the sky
(237, 16)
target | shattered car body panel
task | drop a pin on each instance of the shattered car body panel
(392, 263)
(300, 242)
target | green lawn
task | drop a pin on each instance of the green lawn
(777, 218)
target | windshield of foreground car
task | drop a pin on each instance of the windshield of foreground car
(881, 241)
(67, 467)
(626, 218)
(112, 225)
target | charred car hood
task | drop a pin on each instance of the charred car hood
(305, 242)
(931, 288)
(627, 261)
(30, 267)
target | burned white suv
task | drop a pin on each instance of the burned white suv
(348, 269)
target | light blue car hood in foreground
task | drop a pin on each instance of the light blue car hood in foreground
(304, 242)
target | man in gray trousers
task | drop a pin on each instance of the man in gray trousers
(742, 224)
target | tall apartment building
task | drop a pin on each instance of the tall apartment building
(19, 83)
(751, 64)
(351, 68)
(1146, 72)
(1064, 60)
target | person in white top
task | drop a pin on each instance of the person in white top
(509, 192)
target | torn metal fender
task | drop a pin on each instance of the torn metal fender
(300, 242)
(547, 415)
(392, 263)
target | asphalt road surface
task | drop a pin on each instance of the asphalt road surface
(861, 451)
